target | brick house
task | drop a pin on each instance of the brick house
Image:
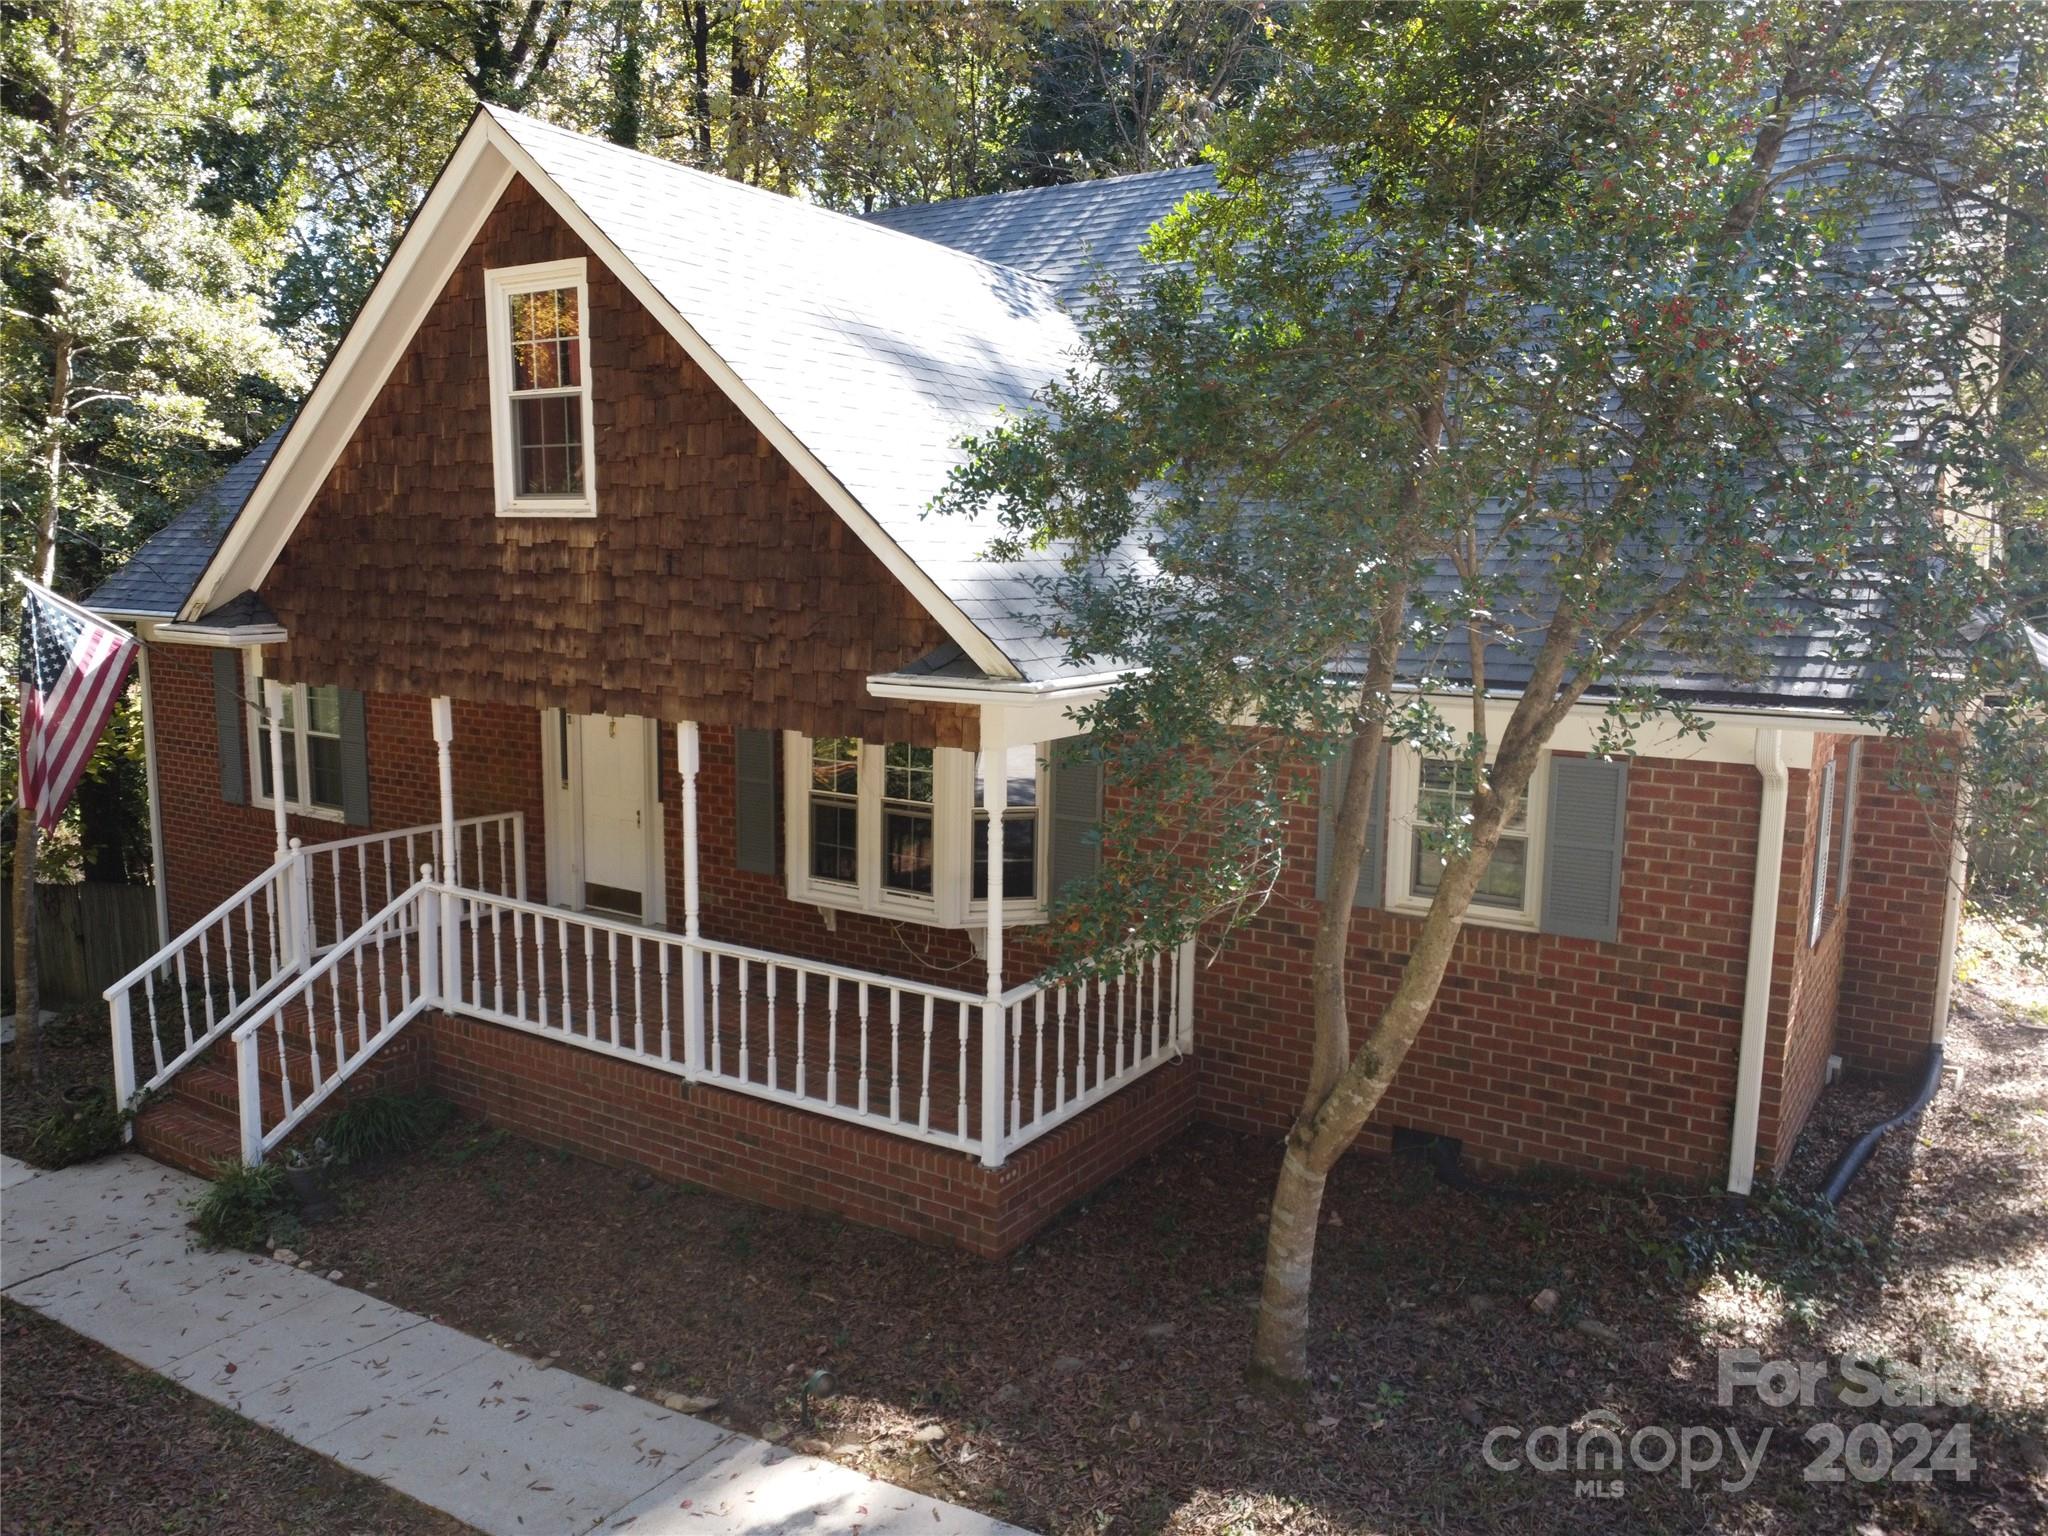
(574, 709)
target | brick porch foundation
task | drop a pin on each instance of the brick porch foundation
(633, 1116)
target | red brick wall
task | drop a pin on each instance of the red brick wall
(1611, 1058)
(1606, 1057)
(1898, 893)
(212, 848)
(628, 1114)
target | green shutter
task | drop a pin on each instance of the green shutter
(228, 716)
(355, 760)
(1076, 813)
(754, 802)
(1372, 868)
(1582, 847)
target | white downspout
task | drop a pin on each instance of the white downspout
(1951, 929)
(1763, 946)
(153, 784)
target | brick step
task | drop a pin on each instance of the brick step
(188, 1134)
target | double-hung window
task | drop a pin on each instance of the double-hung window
(312, 745)
(835, 810)
(1017, 806)
(909, 852)
(1432, 795)
(902, 830)
(537, 325)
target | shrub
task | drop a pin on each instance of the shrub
(240, 1205)
(77, 1133)
(383, 1124)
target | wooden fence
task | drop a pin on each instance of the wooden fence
(88, 936)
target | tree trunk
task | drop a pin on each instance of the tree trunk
(28, 1035)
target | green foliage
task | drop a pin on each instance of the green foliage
(238, 1208)
(1556, 357)
(78, 1133)
(380, 1125)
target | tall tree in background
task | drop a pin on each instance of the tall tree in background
(1137, 85)
(1561, 360)
(500, 49)
(134, 340)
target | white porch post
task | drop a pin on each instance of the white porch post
(451, 859)
(290, 897)
(994, 1031)
(693, 961)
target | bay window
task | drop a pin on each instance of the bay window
(1019, 812)
(901, 830)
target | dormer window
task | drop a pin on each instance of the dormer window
(538, 321)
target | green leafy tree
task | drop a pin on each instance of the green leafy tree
(1542, 346)
(134, 343)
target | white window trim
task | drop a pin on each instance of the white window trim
(1403, 793)
(259, 759)
(1824, 876)
(950, 904)
(500, 284)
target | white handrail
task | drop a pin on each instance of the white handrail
(156, 961)
(416, 991)
(266, 957)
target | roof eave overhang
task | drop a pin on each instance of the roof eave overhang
(220, 636)
(462, 197)
(929, 689)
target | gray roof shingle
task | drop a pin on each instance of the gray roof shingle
(161, 575)
(878, 343)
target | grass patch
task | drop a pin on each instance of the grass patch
(380, 1125)
(241, 1205)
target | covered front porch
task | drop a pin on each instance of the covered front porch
(331, 953)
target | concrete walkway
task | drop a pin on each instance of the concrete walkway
(452, 1421)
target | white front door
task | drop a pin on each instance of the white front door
(617, 814)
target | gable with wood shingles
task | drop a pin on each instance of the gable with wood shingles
(713, 584)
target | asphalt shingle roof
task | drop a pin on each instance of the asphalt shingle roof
(161, 575)
(878, 343)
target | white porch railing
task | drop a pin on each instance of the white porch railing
(336, 1015)
(902, 1056)
(1074, 1043)
(351, 878)
(931, 1063)
(231, 962)
(211, 977)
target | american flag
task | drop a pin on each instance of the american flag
(72, 669)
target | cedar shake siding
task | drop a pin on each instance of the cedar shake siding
(713, 584)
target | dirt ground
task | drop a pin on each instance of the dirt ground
(1094, 1381)
(76, 1059)
(95, 1446)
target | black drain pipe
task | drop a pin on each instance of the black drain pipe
(1853, 1160)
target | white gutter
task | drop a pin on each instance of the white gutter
(153, 788)
(234, 637)
(1763, 944)
(994, 691)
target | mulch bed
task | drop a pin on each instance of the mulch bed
(76, 1058)
(1094, 1381)
(94, 1445)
